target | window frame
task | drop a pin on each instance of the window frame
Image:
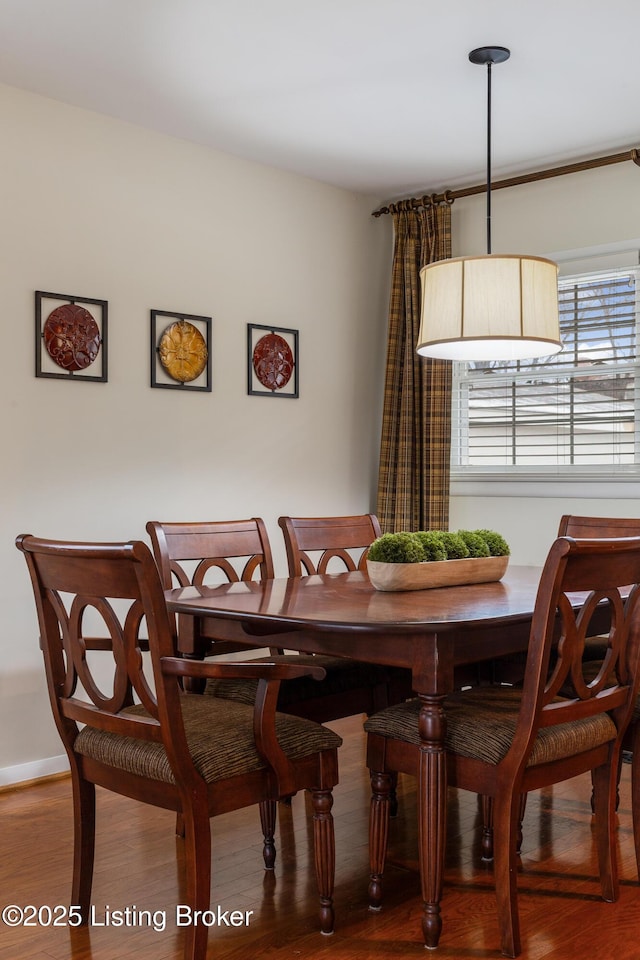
(603, 479)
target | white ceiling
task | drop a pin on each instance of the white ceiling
(377, 96)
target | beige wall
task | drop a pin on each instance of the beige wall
(569, 217)
(95, 207)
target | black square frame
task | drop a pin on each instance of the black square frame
(277, 361)
(46, 366)
(159, 376)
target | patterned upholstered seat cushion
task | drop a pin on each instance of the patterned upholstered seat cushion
(481, 724)
(342, 675)
(220, 738)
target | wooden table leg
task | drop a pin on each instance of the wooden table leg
(192, 647)
(432, 810)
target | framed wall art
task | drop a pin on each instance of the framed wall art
(272, 366)
(71, 337)
(180, 351)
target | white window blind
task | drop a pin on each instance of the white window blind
(574, 411)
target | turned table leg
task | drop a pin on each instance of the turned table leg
(432, 807)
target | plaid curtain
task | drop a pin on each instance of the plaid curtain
(413, 484)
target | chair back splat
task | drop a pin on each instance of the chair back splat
(564, 721)
(141, 736)
(601, 569)
(211, 547)
(312, 543)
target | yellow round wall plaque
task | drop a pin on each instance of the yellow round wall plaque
(183, 351)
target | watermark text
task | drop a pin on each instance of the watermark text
(130, 916)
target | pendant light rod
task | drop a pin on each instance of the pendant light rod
(489, 56)
(489, 157)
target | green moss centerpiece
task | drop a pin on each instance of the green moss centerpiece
(436, 558)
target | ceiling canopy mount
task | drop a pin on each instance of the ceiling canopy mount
(485, 55)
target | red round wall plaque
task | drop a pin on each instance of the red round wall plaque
(273, 361)
(71, 337)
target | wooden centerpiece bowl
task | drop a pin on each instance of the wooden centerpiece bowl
(420, 561)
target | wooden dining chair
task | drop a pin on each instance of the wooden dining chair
(325, 545)
(205, 553)
(595, 648)
(138, 734)
(238, 550)
(502, 742)
(591, 528)
(597, 528)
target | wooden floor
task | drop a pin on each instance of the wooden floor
(138, 869)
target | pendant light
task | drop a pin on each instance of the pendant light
(493, 307)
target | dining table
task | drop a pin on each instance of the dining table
(431, 632)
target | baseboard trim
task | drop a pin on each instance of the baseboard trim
(24, 773)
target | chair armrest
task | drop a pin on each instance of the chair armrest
(177, 667)
(268, 676)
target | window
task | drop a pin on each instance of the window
(574, 413)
